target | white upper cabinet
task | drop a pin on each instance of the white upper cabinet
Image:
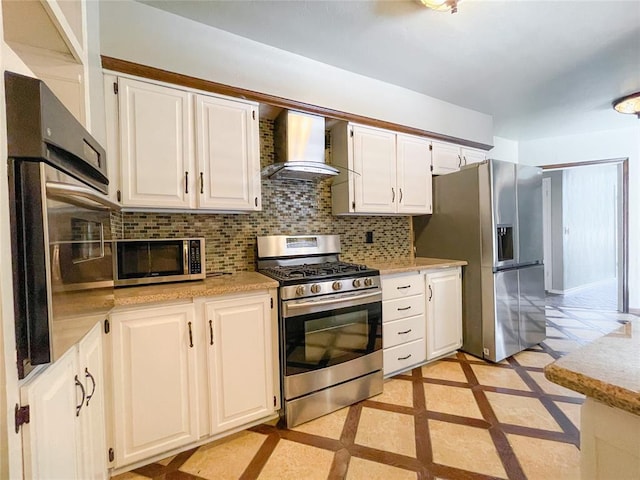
(228, 154)
(155, 145)
(413, 174)
(382, 172)
(449, 158)
(374, 159)
(173, 148)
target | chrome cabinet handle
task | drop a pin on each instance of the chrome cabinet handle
(404, 358)
(201, 182)
(403, 287)
(93, 381)
(459, 161)
(400, 199)
(401, 309)
(393, 195)
(190, 336)
(79, 407)
(186, 182)
(430, 293)
(256, 201)
(465, 159)
(405, 332)
(211, 332)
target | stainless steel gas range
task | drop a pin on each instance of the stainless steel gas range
(330, 324)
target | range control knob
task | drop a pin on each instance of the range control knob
(336, 285)
(368, 282)
(300, 290)
(315, 288)
(357, 283)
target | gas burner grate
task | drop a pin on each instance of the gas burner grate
(307, 271)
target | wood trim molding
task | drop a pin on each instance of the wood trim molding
(625, 215)
(152, 73)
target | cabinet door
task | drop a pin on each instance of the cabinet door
(155, 145)
(470, 155)
(51, 439)
(444, 312)
(94, 449)
(155, 404)
(374, 162)
(228, 154)
(446, 158)
(413, 175)
(240, 360)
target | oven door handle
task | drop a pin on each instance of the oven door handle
(83, 195)
(348, 300)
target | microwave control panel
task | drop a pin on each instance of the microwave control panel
(194, 257)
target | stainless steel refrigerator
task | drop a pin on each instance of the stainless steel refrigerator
(490, 214)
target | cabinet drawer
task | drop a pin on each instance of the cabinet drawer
(403, 357)
(402, 286)
(403, 331)
(402, 308)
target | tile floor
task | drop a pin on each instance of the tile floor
(457, 418)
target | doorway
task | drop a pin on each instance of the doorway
(585, 228)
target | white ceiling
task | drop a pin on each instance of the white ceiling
(541, 68)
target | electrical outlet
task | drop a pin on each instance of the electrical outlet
(369, 238)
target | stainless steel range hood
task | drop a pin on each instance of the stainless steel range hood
(299, 148)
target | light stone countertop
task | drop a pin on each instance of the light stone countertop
(221, 285)
(401, 265)
(608, 369)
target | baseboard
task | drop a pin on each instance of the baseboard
(635, 311)
(580, 287)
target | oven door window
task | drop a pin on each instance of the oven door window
(324, 339)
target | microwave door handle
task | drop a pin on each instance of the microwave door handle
(332, 300)
(82, 195)
(185, 258)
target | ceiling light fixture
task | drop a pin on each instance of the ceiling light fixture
(441, 5)
(628, 104)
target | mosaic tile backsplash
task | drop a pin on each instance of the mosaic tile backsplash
(289, 207)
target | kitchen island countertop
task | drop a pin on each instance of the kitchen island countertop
(608, 369)
(220, 285)
(400, 265)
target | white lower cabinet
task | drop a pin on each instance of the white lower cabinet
(154, 381)
(403, 322)
(239, 354)
(444, 311)
(183, 373)
(65, 437)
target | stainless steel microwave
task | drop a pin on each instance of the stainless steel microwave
(141, 262)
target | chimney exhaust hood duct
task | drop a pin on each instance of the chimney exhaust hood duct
(299, 148)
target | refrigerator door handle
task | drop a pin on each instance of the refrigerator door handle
(517, 266)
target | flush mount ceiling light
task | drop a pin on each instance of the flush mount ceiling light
(441, 5)
(628, 104)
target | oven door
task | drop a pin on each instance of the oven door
(322, 333)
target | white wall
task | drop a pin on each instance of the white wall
(623, 143)
(504, 149)
(142, 34)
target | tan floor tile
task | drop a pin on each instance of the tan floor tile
(444, 371)
(295, 461)
(572, 411)
(587, 314)
(585, 333)
(226, 459)
(452, 400)
(554, 332)
(468, 356)
(544, 459)
(465, 447)
(326, 426)
(553, 388)
(390, 431)
(567, 322)
(561, 345)
(360, 469)
(527, 358)
(499, 377)
(396, 392)
(523, 411)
